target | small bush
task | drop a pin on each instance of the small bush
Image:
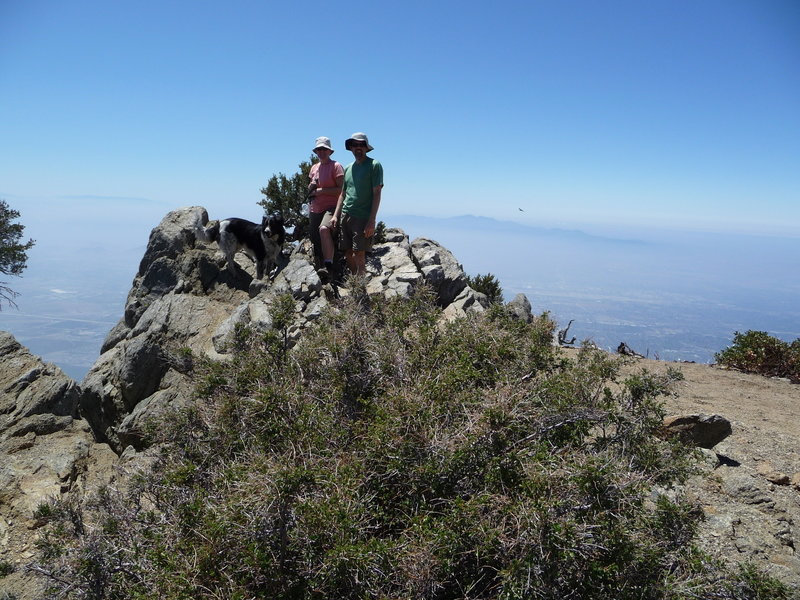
(753, 584)
(758, 352)
(6, 568)
(380, 233)
(487, 284)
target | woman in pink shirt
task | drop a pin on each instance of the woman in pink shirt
(326, 184)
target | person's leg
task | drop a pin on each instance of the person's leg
(346, 240)
(359, 247)
(359, 263)
(314, 220)
(349, 256)
(326, 238)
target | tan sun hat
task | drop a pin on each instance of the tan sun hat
(323, 142)
(357, 137)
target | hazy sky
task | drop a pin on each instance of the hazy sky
(666, 112)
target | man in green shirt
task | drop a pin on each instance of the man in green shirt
(358, 203)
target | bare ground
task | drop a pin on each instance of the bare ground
(749, 489)
(764, 412)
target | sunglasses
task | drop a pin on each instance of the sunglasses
(358, 144)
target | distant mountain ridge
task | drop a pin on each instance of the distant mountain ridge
(488, 224)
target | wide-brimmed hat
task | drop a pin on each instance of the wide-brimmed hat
(323, 142)
(357, 137)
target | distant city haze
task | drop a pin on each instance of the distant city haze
(674, 295)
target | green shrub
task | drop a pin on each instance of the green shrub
(287, 195)
(487, 284)
(6, 568)
(758, 352)
(391, 455)
(379, 237)
(751, 583)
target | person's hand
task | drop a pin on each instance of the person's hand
(369, 230)
(312, 188)
(334, 222)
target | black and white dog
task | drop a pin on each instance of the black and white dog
(262, 243)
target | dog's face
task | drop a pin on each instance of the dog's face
(272, 227)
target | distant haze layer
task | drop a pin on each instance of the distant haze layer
(674, 295)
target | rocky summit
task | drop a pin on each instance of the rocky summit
(61, 439)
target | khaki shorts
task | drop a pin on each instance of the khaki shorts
(352, 234)
(317, 220)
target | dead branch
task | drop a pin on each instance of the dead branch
(562, 335)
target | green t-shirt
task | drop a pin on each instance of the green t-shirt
(359, 181)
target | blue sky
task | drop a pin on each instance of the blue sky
(661, 113)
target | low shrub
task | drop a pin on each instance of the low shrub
(487, 284)
(758, 352)
(751, 583)
(390, 455)
(6, 568)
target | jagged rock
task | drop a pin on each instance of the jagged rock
(136, 367)
(30, 387)
(161, 267)
(704, 431)
(394, 272)
(179, 297)
(468, 301)
(520, 308)
(394, 234)
(45, 451)
(440, 269)
(225, 334)
(183, 297)
(175, 393)
(140, 369)
(298, 278)
(118, 333)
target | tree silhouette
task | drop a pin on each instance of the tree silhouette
(13, 252)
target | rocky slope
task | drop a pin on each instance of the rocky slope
(749, 489)
(59, 438)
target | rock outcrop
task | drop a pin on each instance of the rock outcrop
(46, 452)
(183, 300)
(703, 431)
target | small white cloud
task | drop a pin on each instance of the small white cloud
(57, 291)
